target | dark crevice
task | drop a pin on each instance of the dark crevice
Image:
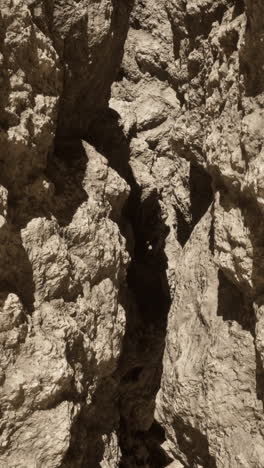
(201, 197)
(259, 377)
(121, 75)
(179, 93)
(239, 8)
(232, 306)
(184, 228)
(212, 237)
(201, 193)
(156, 437)
(146, 450)
(148, 295)
(66, 169)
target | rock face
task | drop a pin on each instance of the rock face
(132, 235)
(211, 397)
(63, 257)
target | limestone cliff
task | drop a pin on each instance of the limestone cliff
(132, 234)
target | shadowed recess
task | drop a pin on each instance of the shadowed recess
(201, 197)
(140, 365)
(231, 304)
(66, 169)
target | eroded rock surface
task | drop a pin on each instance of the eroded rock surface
(211, 397)
(63, 257)
(131, 229)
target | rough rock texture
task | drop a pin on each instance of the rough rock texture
(63, 257)
(132, 235)
(211, 397)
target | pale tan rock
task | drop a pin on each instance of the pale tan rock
(218, 129)
(131, 234)
(208, 386)
(35, 443)
(63, 257)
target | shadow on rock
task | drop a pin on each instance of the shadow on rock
(66, 169)
(146, 300)
(193, 444)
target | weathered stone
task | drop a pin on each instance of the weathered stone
(131, 233)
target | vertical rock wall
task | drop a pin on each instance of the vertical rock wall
(211, 397)
(63, 258)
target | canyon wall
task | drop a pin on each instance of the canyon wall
(132, 233)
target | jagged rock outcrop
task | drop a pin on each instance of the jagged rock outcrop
(211, 397)
(131, 255)
(63, 257)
